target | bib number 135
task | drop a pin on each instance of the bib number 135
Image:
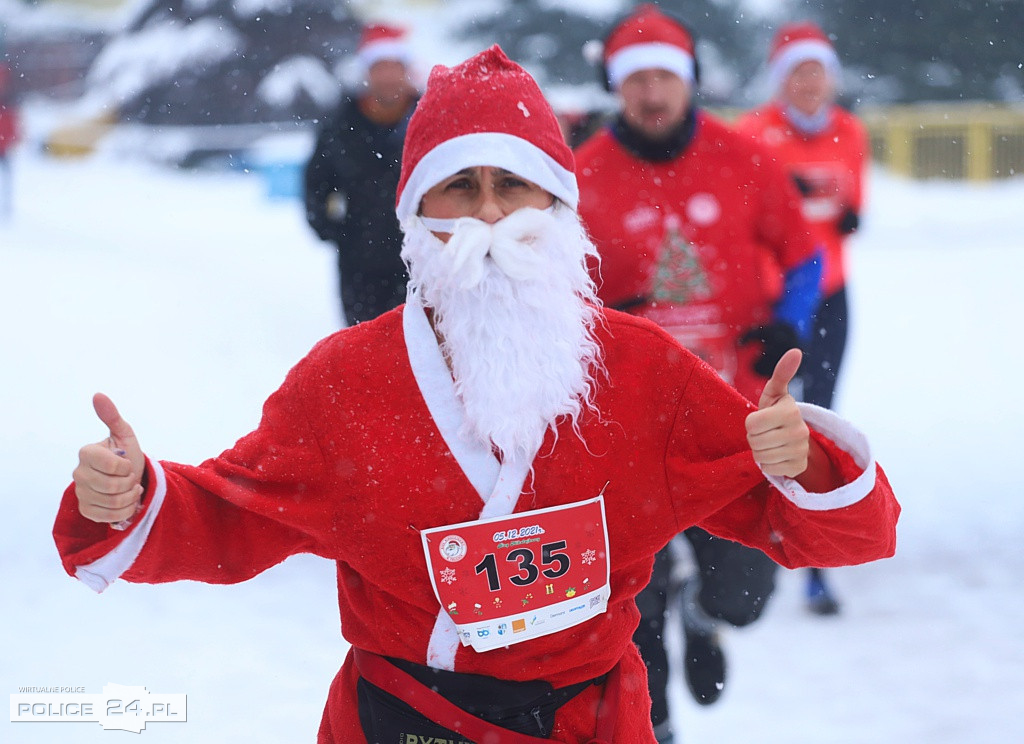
(551, 554)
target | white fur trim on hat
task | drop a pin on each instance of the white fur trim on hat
(653, 56)
(376, 51)
(798, 52)
(494, 149)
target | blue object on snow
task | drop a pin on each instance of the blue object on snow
(280, 160)
(283, 180)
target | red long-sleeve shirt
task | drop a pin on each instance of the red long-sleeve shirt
(695, 242)
(830, 163)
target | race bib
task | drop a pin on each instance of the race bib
(505, 580)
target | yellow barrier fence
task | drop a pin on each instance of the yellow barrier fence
(976, 141)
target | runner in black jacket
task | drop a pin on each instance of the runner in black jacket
(351, 179)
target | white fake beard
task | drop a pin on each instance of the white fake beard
(516, 309)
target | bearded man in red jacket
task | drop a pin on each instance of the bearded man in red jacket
(683, 212)
(492, 466)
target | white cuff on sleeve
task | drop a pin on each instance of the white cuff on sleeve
(850, 440)
(102, 572)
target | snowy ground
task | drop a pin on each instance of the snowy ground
(186, 297)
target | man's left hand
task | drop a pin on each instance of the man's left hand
(776, 432)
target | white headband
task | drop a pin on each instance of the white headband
(798, 52)
(376, 51)
(495, 149)
(653, 56)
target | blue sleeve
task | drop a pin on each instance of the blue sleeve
(801, 295)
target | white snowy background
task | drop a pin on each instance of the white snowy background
(187, 297)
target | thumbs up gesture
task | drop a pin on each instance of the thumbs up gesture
(776, 432)
(108, 479)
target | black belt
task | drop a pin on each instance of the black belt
(399, 700)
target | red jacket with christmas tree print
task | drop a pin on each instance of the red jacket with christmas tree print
(684, 241)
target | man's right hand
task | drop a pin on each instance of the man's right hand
(108, 479)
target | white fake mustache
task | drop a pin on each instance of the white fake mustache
(516, 245)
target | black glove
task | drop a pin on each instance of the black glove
(776, 339)
(803, 185)
(849, 221)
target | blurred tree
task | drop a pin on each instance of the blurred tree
(242, 61)
(546, 39)
(893, 51)
(926, 50)
(225, 61)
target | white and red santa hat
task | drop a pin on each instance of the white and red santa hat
(487, 111)
(796, 43)
(382, 41)
(648, 39)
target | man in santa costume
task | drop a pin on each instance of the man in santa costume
(492, 466)
(825, 149)
(693, 224)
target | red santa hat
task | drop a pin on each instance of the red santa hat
(381, 41)
(796, 43)
(648, 39)
(487, 111)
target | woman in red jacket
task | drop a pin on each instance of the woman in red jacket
(825, 149)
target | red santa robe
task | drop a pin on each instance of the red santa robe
(359, 450)
(694, 243)
(830, 163)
